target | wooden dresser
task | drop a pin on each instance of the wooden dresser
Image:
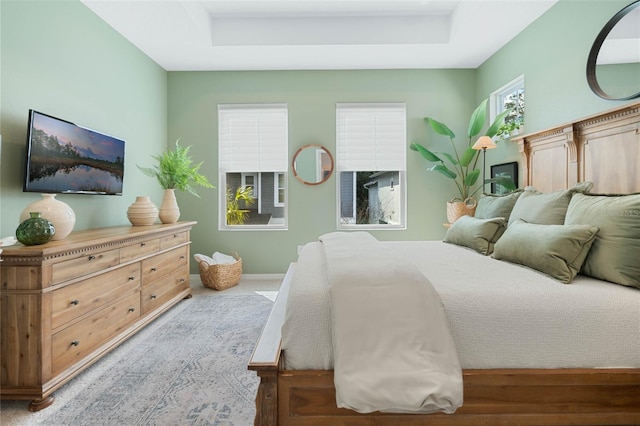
(67, 303)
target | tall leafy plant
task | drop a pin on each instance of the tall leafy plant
(460, 166)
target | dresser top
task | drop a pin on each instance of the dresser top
(97, 237)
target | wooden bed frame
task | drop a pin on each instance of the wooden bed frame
(603, 148)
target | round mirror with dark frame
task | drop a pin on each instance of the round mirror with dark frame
(312, 164)
(613, 66)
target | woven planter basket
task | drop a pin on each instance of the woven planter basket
(221, 276)
(457, 209)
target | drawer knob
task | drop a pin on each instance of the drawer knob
(143, 244)
(153, 296)
(75, 302)
(75, 343)
(131, 310)
(181, 280)
(153, 269)
(132, 278)
(181, 257)
(91, 257)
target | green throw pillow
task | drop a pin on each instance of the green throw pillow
(556, 250)
(477, 234)
(615, 255)
(545, 209)
(490, 205)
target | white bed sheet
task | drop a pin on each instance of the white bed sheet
(501, 315)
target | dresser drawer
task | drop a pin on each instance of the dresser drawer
(91, 262)
(75, 342)
(172, 240)
(141, 249)
(163, 289)
(157, 266)
(78, 299)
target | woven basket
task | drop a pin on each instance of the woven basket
(457, 209)
(221, 276)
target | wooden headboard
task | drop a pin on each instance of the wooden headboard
(603, 148)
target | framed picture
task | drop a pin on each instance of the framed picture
(505, 170)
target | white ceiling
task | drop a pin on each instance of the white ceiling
(185, 35)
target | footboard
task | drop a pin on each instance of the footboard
(491, 397)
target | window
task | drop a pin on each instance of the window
(279, 190)
(511, 95)
(252, 157)
(371, 146)
(249, 182)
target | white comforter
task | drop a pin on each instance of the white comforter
(501, 315)
(392, 347)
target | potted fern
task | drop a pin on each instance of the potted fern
(175, 170)
(461, 166)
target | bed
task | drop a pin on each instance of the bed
(514, 371)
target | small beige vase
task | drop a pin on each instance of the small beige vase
(142, 212)
(169, 210)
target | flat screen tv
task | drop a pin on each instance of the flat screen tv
(65, 158)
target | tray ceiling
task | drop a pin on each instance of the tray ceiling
(183, 35)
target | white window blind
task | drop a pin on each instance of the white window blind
(252, 138)
(371, 136)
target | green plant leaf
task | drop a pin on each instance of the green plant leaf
(428, 155)
(468, 156)
(444, 170)
(440, 128)
(505, 182)
(450, 157)
(175, 171)
(497, 123)
(472, 177)
(477, 119)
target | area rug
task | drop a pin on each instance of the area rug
(189, 367)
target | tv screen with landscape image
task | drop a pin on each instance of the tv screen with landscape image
(63, 157)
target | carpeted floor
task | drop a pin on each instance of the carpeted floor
(189, 367)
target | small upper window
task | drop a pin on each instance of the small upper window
(371, 144)
(252, 155)
(510, 96)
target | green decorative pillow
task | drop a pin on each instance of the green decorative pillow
(615, 255)
(545, 209)
(477, 234)
(491, 205)
(556, 250)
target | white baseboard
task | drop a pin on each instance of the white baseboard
(248, 277)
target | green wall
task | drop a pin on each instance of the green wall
(552, 54)
(311, 97)
(59, 58)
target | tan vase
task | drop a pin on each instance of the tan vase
(55, 211)
(142, 212)
(169, 210)
(457, 209)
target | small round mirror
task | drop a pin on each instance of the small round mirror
(613, 66)
(312, 164)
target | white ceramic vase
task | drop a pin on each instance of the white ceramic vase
(55, 211)
(169, 210)
(142, 212)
